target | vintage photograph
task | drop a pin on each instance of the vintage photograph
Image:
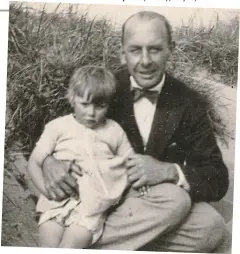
(120, 127)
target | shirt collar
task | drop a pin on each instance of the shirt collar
(157, 88)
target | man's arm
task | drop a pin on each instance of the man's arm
(146, 170)
(182, 181)
(35, 172)
(59, 182)
(204, 168)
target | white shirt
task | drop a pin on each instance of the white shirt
(144, 111)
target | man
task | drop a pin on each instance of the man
(176, 153)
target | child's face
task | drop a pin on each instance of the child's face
(87, 113)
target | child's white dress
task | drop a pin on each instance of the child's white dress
(101, 154)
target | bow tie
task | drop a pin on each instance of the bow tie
(138, 93)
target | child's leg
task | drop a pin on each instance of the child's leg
(76, 237)
(50, 234)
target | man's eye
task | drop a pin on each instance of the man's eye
(155, 50)
(135, 50)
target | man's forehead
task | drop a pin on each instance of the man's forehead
(136, 22)
(138, 25)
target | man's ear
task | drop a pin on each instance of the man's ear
(122, 56)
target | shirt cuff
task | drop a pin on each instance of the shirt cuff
(182, 181)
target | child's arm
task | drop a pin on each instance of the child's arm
(124, 148)
(35, 171)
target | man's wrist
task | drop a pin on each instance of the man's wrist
(47, 159)
(182, 182)
(171, 173)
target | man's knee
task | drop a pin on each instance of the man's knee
(176, 199)
(213, 232)
(180, 200)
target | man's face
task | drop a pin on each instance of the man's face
(146, 51)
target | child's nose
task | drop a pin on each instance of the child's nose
(91, 110)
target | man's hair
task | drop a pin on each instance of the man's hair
(97, 81)
(147, 16)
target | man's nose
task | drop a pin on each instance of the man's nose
(146, 58)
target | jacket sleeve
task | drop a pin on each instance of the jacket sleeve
(203, 166)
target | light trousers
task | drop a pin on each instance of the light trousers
(162, 220)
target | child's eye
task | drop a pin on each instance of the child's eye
(101, 105)
(84, 104)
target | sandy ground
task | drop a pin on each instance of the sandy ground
(19, 225)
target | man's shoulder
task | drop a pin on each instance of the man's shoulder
(182, 88)
(186, 92)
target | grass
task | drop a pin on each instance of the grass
(214, 48)
(44, 48)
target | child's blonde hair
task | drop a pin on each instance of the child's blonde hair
(97, 81)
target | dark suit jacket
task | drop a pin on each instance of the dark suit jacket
(181, 132)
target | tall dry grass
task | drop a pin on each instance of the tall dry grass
(213, 48)
(43, 51)
(44, 48)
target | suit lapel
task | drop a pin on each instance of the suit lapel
(126, 113)
(169, 110)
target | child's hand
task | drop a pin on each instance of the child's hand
(144, 190)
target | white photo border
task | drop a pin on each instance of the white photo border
(4, 6)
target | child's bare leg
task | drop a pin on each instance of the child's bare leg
(50, 234)
(76, 237)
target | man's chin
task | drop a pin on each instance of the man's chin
(144, 83)
(147, 80)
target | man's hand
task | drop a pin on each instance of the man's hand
(145, 170)
(59, 182)
(144, 190)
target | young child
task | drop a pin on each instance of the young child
(99, 146)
